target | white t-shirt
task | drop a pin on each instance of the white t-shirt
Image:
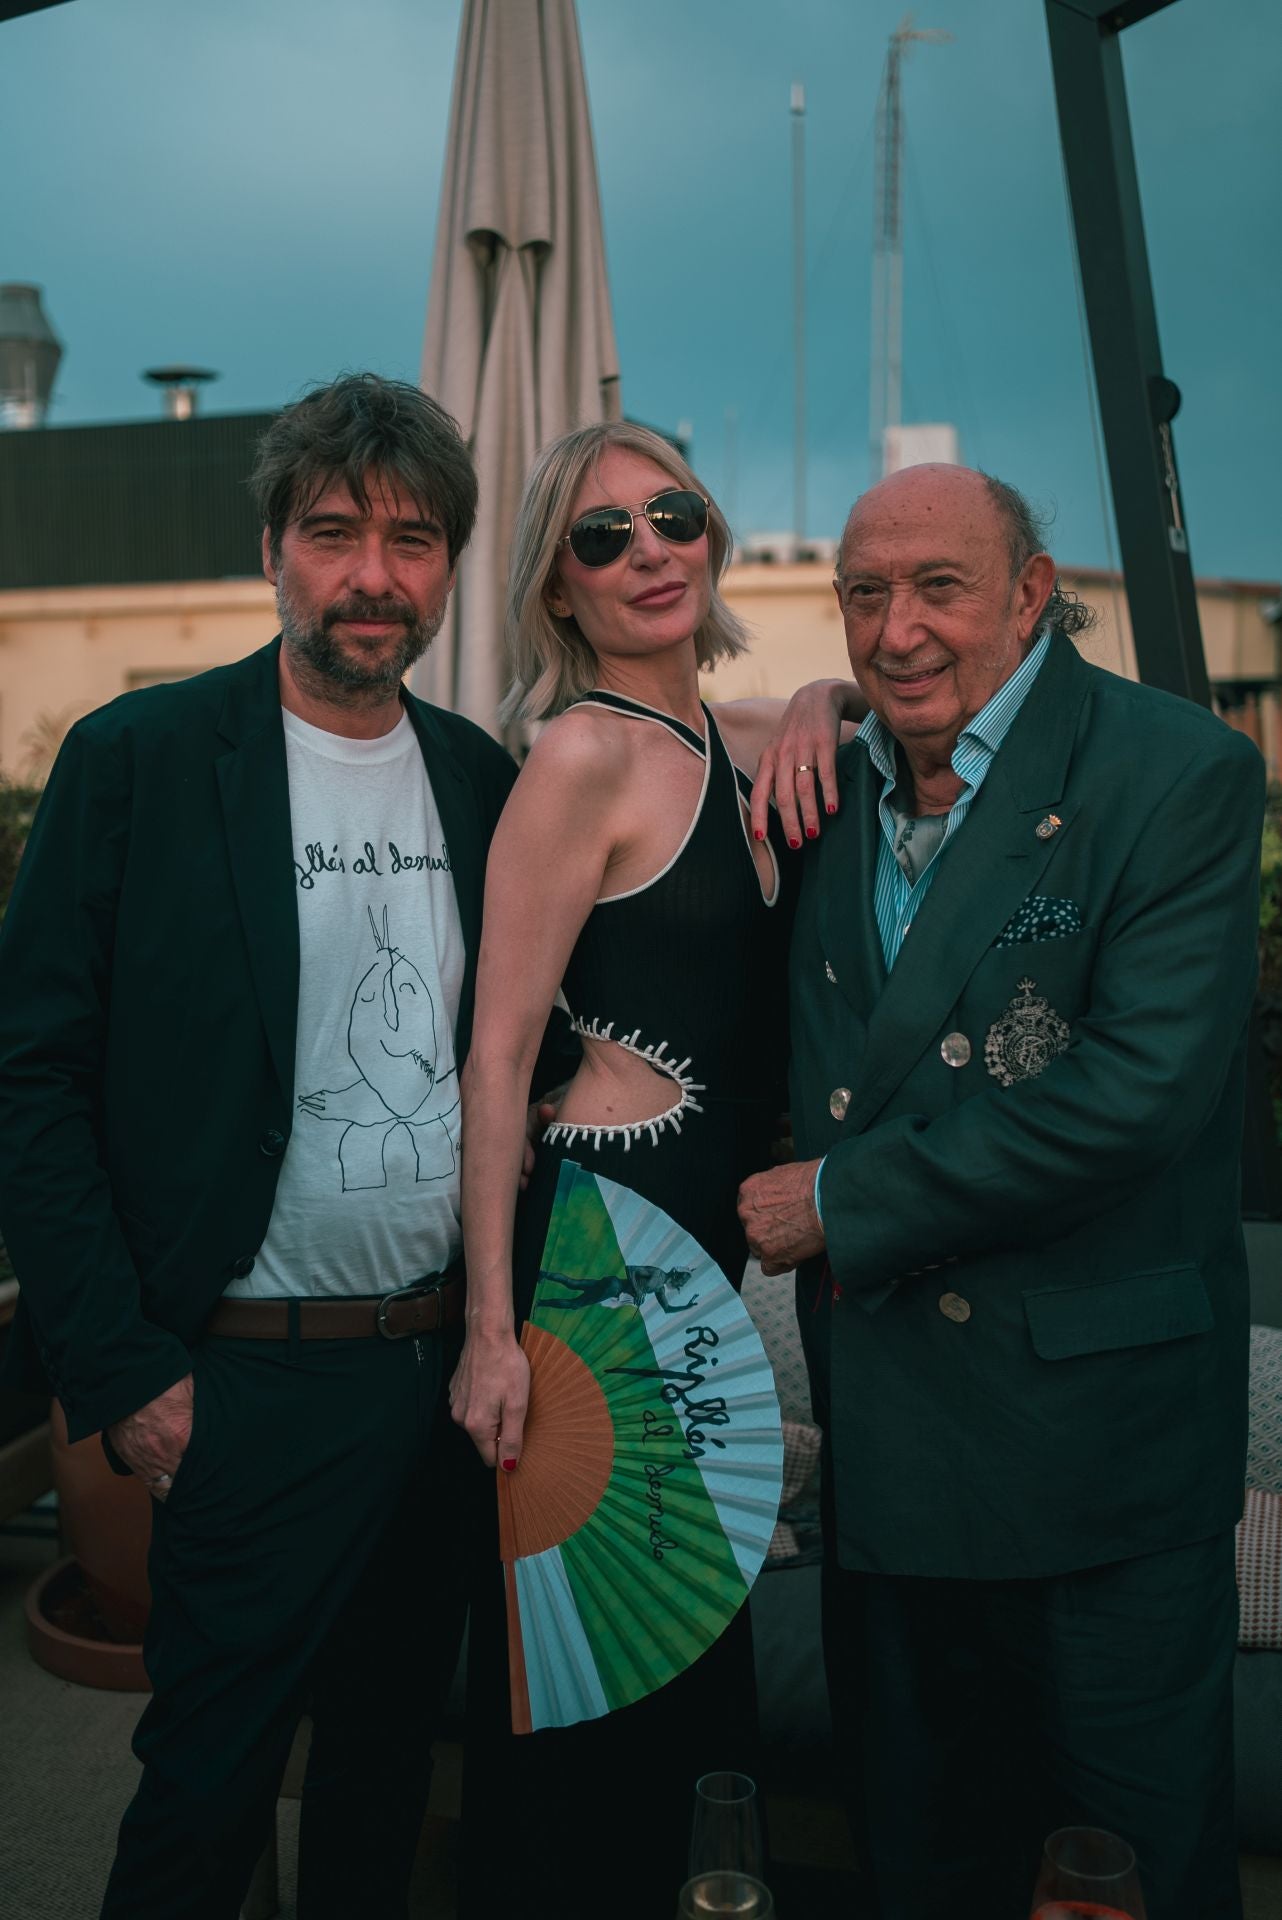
(368, 1198)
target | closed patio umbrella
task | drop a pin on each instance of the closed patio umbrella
(520, 341)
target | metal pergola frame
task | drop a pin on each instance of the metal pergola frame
(1137, 405)
(14, 9)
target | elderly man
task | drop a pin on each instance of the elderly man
(1021, 975)
(236, 983)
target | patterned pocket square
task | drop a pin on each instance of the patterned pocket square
(1041, 917)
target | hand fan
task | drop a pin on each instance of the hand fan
(649, 1481)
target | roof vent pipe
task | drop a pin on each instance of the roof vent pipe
(181, 389)
(29, 356)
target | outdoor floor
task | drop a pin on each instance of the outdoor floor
(66, 1775)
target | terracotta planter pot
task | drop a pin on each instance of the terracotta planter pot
(64, 1635)
(106, 1525)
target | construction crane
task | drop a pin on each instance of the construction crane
(886, 371)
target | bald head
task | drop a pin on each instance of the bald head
(935, 490)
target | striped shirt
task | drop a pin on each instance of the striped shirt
(896, 898)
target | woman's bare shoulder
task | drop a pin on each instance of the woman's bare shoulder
(576, 760)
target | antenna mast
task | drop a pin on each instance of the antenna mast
(886, 373)
(798, 110)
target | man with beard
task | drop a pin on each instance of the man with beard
(235, 990)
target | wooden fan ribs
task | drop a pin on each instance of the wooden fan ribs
(568, 1454)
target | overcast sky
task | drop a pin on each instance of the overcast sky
(252, 185)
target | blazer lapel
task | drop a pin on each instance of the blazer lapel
(460, 810)
(846, 860)
(993, 864)
(253, 786)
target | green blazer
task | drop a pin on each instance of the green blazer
(1030, 1353)
(148, 994)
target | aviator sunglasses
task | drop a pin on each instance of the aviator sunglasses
(601, 536)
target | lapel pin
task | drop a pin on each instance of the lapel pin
(828, 970)
(1045, 829)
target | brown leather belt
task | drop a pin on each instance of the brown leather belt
(426, 1307)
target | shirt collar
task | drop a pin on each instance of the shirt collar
(986, 731)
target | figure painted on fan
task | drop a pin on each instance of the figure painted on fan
(637, 1284)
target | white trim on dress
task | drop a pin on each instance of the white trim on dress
(655, 720)
(568, 1131)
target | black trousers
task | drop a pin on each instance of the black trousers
(974, 1717)
(306, 1559)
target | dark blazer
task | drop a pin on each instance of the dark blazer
(1036, 1356)
(148, 994)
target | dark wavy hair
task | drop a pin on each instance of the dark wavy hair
(1026, 534)
(360, 427)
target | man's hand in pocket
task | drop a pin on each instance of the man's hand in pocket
(152, 1441)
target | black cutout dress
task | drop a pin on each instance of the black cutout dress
(687, 971)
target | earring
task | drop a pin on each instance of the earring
(559, 608)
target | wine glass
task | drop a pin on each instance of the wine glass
(725, 1896)
(1086, 1871)
(726, 1835)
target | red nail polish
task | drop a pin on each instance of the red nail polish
(812, 833)
(509, 1466)
(832, 806)
(757, 834)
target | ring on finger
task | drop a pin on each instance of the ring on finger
(804, 767)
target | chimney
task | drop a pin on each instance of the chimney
(29, 356)
(181, 389)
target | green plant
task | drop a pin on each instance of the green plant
(17, 810)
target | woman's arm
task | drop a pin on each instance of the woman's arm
(546, 866)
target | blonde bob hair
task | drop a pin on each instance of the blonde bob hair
(552, 663)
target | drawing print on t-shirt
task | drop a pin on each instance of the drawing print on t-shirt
(391, 1038)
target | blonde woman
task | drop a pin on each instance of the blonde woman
(625, 869)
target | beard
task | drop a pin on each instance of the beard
(335, 673)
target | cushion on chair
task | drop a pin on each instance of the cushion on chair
(1264, 1442)
(796, 1534)
(773, 1307)
(1259, 1571)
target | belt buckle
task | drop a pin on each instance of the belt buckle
(418, 1291)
